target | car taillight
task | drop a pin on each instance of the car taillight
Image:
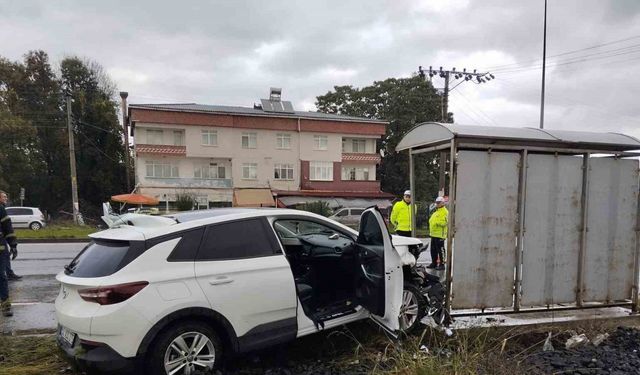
(108, 295)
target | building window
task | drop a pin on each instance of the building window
(209, 171)
(154, 136)
(250, 171)
(355, 173)
(209, 138)
(283, 172)
(320, 142)
(358, 145)
(249, 140)
(161, 169)
(321, 171)
(178, 137)
(283, 141)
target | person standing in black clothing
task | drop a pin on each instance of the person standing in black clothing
(8, 246)
(10, 274)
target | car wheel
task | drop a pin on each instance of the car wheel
(412, 309)
(35, 226)
(185, 349)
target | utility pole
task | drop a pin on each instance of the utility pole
(72, 161)
(544, 63)
(447, 74)
(124, 95)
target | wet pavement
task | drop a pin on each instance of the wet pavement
(33, 297)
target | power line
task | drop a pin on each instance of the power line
(472, 106)
(97, 147)
(565, 53)
(570, 61)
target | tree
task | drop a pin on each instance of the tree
(404, 102)
(99, 136)
(30, 93)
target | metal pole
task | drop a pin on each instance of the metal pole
(522, 198)
(544, 62)
(451, 222)
(636, 265)
(412, 187)
(445, 104)
(584, 204)
(124, 95)
(72, 162)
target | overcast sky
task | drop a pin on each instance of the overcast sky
(231, 52)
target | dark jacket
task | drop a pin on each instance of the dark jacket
(7, 229)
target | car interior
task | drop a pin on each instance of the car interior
(324, 262)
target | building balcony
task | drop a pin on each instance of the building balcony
(342, 185)
(360, 158)
(161, 149)
(189, 183)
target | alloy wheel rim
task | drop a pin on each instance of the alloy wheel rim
(408, 310)
(188, 353)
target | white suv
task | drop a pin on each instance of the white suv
(177, 293)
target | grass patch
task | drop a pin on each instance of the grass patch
(58, 231)
(31, 356)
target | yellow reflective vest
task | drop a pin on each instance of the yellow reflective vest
(401, 216)
(438, 223)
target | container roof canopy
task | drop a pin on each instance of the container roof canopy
(432, 133)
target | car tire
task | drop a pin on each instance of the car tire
(164, 352)
(35, 226)
(412, 309)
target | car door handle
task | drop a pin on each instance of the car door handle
(220, 280)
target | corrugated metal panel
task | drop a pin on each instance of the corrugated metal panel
(611, 237)
(552, 230)
(485, 222)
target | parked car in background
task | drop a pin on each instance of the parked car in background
(26, 217)
(348, 215)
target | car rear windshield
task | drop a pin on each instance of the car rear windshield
(103, 258)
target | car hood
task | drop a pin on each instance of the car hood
(404, 241)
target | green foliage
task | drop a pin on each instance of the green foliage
(184, 202)
(33, 120)
(318, 207)
(404, 102)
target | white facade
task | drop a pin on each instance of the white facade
(217, 159)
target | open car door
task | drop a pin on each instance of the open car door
(379, 276)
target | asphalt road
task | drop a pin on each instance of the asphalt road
(33, 297)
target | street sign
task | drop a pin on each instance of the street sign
(22, 196)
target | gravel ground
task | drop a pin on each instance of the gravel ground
(619, 354)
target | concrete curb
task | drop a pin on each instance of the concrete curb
(52, 240)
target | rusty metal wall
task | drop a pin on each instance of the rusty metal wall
(611, 236)
(552, 229)
(485, 225)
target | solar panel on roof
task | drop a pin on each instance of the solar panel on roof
(287, 107)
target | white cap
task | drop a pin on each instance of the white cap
(407, 192)
(439, 199)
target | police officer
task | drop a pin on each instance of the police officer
(401, 215)
(8, 245)
(438, 225)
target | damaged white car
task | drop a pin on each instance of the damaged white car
(176, 294)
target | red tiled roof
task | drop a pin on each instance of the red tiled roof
(356, 157)
(161, 149)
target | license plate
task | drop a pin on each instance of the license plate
(67, 336)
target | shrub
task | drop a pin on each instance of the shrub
(184, 202)
(318, 207)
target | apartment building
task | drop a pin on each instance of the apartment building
(226, 155)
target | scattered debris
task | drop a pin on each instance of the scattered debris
(448, 331)
(576, 341)
(548, 346)
(600, 338)
(424, 349)
(616, 354)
